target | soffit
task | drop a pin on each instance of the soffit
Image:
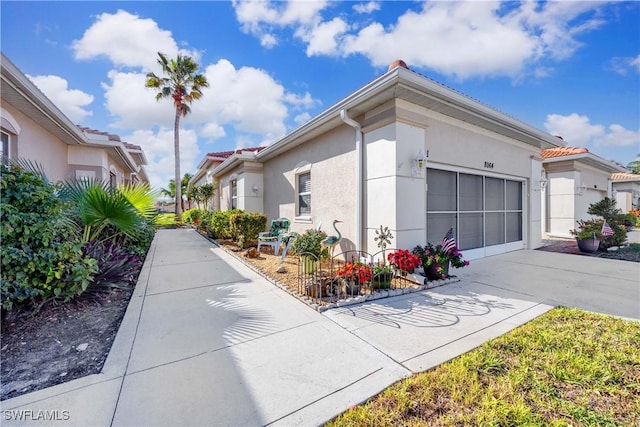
(14, 93)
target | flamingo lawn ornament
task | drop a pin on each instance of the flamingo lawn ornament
(332, 241)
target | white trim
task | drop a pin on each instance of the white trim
(12, 121)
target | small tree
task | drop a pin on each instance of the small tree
(606, 208)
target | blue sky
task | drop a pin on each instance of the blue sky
(570, 68)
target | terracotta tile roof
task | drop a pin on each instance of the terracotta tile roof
(227, 154)
(111, 136)
(562, 151)
(132, 146)
(624, 176)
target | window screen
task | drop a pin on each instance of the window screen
(304, 193)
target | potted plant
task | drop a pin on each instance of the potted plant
(436, 260)
(382, 275)
(588, 234)
(308, 247)
(404, 261)
(354, 275)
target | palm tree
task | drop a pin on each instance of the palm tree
(183, 84)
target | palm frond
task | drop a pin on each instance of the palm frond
(29, 165)
(142, 197)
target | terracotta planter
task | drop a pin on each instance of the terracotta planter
(433, 274)
(588, 246)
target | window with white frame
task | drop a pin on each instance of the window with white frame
(234, 194)
(304, 194)
(4, 155)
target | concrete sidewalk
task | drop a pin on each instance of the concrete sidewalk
(207, 341)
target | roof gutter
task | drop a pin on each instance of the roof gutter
(36, 98)
(358, 136)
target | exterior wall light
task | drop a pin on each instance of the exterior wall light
(542, 182)
(420, 162)
(582, 189)
(255, 189)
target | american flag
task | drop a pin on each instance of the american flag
(606, 230)
(448, 242)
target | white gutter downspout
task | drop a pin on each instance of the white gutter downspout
(349, 121)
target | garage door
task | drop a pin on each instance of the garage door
(485, 212)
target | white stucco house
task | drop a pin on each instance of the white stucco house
(33, 128)
(576, 178)
(405, 152)
(625, 188)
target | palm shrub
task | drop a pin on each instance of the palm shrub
(41, 253)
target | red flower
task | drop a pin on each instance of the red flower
(355, 271)
(404, 260)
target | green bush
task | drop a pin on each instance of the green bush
(41, 252)
(607, 209)
(193, 215)
(205, 222)
(311, 243)
(245, 227)
(221, 224)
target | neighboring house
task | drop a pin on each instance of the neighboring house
(626, 190)
(204, 175)
(363, 161)
(576, 178)
(34, 128)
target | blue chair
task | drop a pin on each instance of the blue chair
(273, 237)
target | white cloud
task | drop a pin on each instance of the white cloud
(263, 18)
(302, 118)
(463, 39)
(622, 65)
(578, 131)
(323, 38)
(366, 8)
(228, 108)
(69, 101)
(158, 147)
(127, 40)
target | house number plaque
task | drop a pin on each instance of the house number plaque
(488, 165)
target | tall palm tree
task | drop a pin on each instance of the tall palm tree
(183, 84)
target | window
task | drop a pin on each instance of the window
(304, 194)
(112, 180)
(234, 194)
(5, 149)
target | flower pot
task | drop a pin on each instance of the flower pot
(352, 288)
(433, 273)
(382, 281)
(589, 245)
(308, 264)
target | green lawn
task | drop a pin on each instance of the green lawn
(567, 367)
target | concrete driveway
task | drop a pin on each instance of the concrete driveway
(595, 284)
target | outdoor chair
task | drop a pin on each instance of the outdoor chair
(273, 237)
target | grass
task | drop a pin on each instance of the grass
(166, 219)
(567, 367)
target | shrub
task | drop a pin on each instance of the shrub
(41, 254)
(245, 227)
(221, 224)
(205, 222)
(311, 243)
(192, 216)
(606, 208)
(116, 264)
